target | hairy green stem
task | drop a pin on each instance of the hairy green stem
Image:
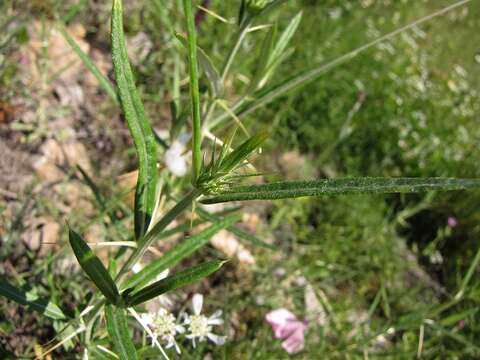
(194, 89)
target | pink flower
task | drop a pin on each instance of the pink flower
(287, 327)
(452, 221)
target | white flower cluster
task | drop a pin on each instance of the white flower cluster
(164, 326)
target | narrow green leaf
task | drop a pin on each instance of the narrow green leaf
(178, 253)
(73, 11)
(471, 270)
(242, 234)
(285, 38)
(97, 194)
(118, 332)
(263, 60)
(211, 72)
(22, 297)
(138, 123)
(452, 320)
(146, 241)
(280, 52)
(194, 89)
(90, 65)
(173, 282)
(295, 189)
(236, 157)
(94, 268)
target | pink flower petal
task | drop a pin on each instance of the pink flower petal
(290, 328)
(286, 326)
(295, 342)
(279, 316)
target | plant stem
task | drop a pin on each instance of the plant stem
(144, 244)
(194, 89)
(150, 237)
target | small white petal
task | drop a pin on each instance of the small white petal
(180, 329)
(216, 314)
(218, 340)
(177, 348)
(215, 321)
(197, 302)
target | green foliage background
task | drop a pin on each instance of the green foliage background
(407, 107)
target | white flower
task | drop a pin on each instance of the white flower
(200, 326)
(164, 326)
(176, 157)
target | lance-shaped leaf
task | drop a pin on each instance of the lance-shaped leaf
(117, 328)
(226, 162)
(242, 234)
(173, 282)
(236, 157)
(90, 65)
(186, 248)
(280, 51)
(22, 297)
(138, 124)
(94, 268)
(295, 189)
(211, 72)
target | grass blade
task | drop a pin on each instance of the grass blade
(173, 282)
(285, 38)
(90, 65)
(94, 268)
(138, 123)
(118, 331)
(304, 77)
(194, 89)
(156, 231)
(236, 157)
(242, 234)
(179, 252)
(295, 189)
(99, 198)
(22, 297)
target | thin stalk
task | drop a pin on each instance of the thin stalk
(194, 89)
(244, 26)
(143, 244)
(468, 276)
(151, 236)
